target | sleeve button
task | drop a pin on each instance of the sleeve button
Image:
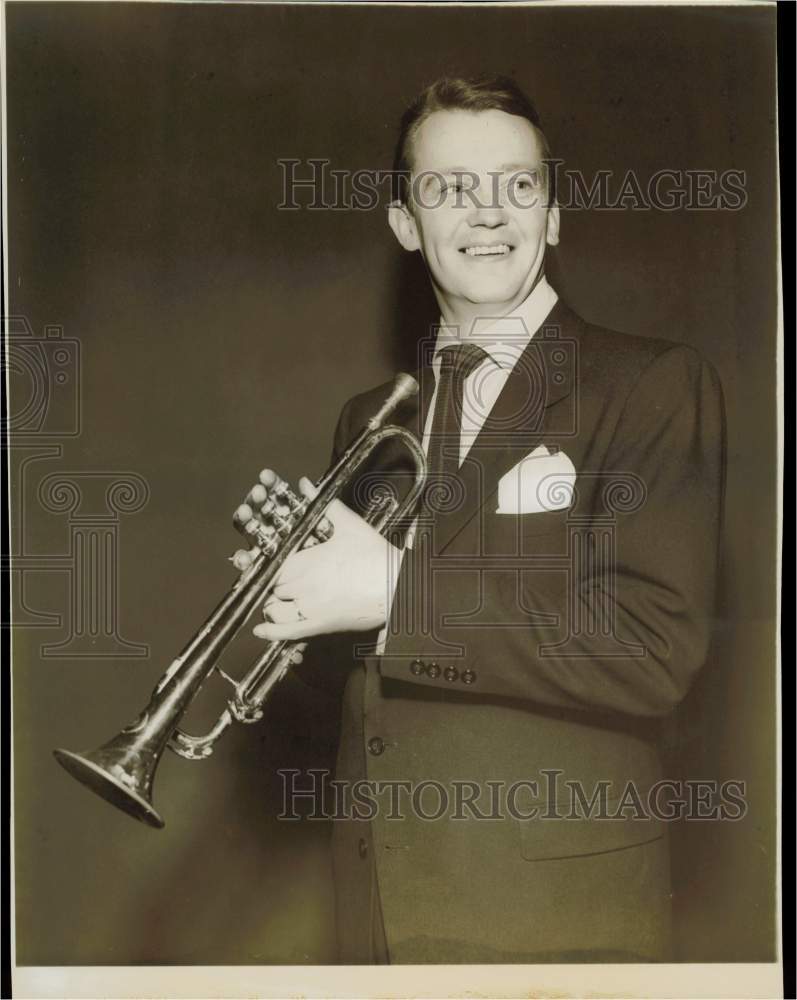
(451, 674)
(417, 667)
(433, 670)
(468, 676)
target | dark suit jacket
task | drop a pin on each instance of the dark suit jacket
(541, 649)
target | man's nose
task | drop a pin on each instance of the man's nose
(490, 216)
(487, 206)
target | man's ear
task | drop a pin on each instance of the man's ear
(403, 225)
(552, 230)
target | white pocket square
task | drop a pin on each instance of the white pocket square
(539, 482)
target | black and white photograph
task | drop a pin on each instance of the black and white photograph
(393, 442)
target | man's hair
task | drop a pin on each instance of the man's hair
(480, 93)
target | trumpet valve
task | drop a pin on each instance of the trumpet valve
(257, 495)
(279, 516)
(268, 478)
(270, 513)
(284, 493)
(242, 559)
(262, 535)
(243, 514)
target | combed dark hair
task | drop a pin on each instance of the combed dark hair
(482, 93)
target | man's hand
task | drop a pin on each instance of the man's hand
(341, 585)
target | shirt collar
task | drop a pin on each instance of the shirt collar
(504, 338)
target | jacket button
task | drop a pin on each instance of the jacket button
(468, 676)
(433, 670)
(451, 673)
(376, 745)
(362, 847)
(417, 667)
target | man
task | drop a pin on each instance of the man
(555, 593)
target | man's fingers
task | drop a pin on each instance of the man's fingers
(281, 612)
(343, 518)
(297, 565)
(285, 591)
(277, 633)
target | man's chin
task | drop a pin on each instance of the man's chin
(499, 296)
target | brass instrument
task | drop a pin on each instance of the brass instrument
(123, 769)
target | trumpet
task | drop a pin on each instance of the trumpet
(122, 771)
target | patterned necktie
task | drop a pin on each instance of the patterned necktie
(456, 364)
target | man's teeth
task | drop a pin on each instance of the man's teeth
(485, 251)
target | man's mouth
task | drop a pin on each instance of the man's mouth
(487, 250)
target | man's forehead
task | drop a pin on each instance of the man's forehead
(474, 140)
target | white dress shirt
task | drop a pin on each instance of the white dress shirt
(504, 339)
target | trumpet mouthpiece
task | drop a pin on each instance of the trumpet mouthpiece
(404, 386)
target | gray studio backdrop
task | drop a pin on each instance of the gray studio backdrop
(205, 334)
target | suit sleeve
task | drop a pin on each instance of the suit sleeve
(657, 595)
(343, 435)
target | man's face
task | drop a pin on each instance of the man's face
(479, 214)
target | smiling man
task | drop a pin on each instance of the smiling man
(481, 224)
(555, 593)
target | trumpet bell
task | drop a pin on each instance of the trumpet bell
(94, 771)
